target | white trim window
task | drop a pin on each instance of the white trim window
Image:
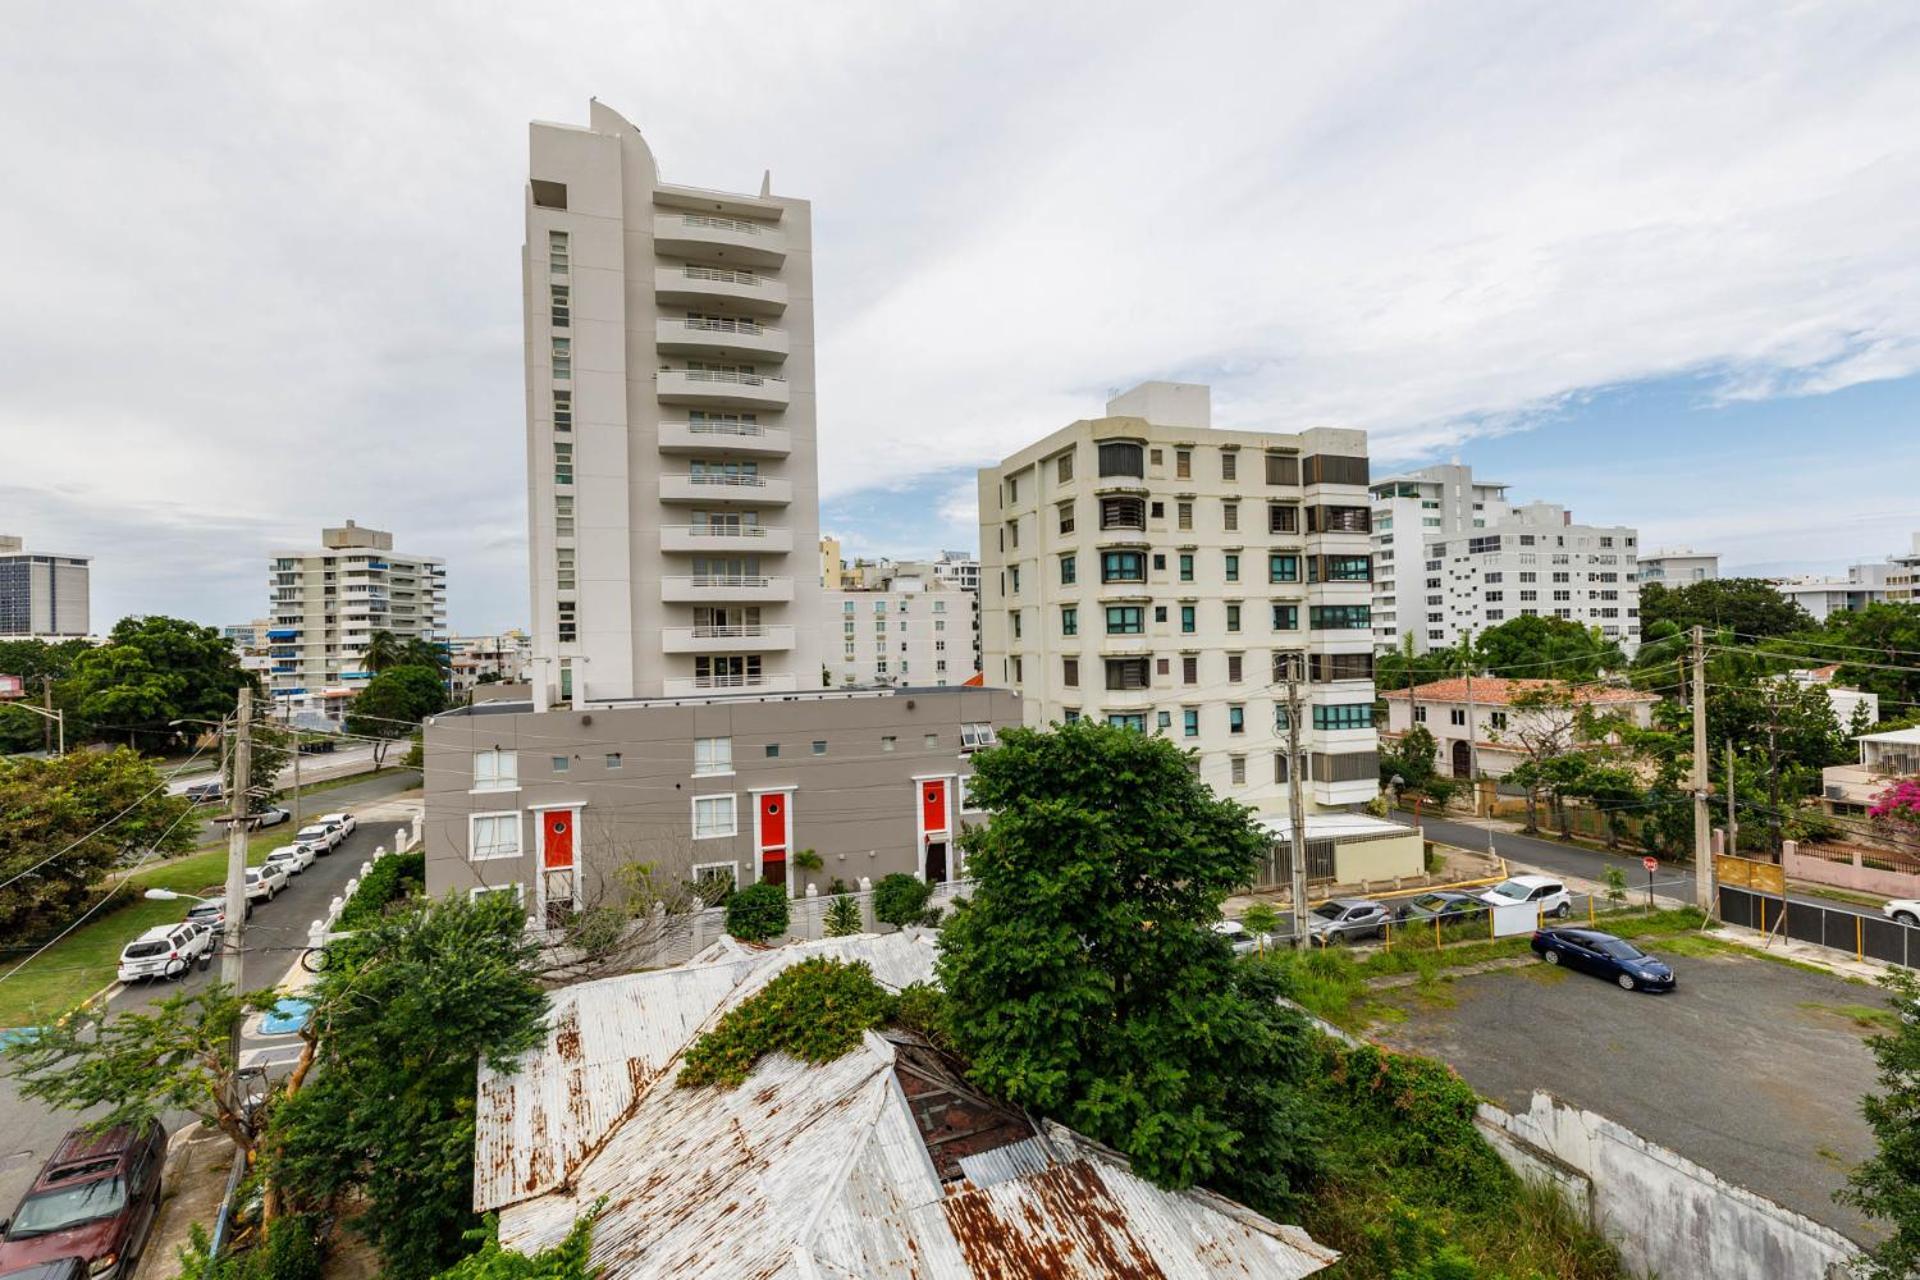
(975, 736)
(712, 756)
(966, 795)
(493, 835)
(715, 816)
(703, 870)
(479, 891)
(496, 771)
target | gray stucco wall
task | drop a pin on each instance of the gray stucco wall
(858, 803)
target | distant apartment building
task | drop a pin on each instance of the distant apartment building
(1151, 571)
(1408, 509)
(909, 628)
(506, 658)
(1890, 581)
(1679, 567)
(42, 593)
(326, 604)
(251, 646)
(673, 488)
(959, 568)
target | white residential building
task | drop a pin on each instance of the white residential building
(1892, 580)
(325, 605)
(1151, 571)
(1409, 509)
(506, 658)
(672, 481)
(1532, 562)
(910, 629)
(43, 594)
(1489, 731)
(1677, 567)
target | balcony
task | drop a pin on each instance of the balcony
(721, 387)
(720, 487)
(728, 437)
(730, 588)
(694, 686)
(743, 639)
(721, 336)
(722, 538)
(699, 235)
(695, 286)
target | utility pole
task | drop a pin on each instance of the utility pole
(1702, 839)
(1473, 747)
(233, 959)
(1297, 805)
(1733, 815)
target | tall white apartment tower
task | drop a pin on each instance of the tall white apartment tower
(672, 479)
(1409, 509)
(1150, 571)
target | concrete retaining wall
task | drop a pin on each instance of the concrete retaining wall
(1668, 1215)
(1848, 875)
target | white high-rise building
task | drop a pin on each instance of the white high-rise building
(1408, 509)
(43, 594)
(672, 477)
(909, 629)
(1146, 569)
(1532, 562)
(1679, 566)
(326, 604)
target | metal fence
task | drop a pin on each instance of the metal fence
(1861, 936)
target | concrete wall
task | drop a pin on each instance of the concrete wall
(1358, 860)
(1666, 1214)
(1848, 875)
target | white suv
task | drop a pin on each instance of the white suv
(319, 837)
(293, 858)
(165, 951)
(345, 821)
(1544, 892)
(1902, 910)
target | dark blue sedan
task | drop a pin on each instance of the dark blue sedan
(1603, 954)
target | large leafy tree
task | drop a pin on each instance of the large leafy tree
(1887, 1187)
(1083, 976)
(385, 651)
(1887, 636)
(63, 824)
(34, 661)
(404, 1013)
(1750, 606)
(271, 749)
(1546, 647)
(150, 672)
(394, 703)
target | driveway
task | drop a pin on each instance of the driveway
(1749, 1068)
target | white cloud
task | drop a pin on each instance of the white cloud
(261, 275)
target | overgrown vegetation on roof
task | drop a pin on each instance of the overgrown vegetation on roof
(816, 1011)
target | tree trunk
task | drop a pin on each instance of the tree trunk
(1533, 814)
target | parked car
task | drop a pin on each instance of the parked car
(294, 857)
(204, 792)
(322, 838)
(213, 914)
(1348, 919)
(1448, 906)
(265, 881)
(347, 822)
(271, 816)
(165, 951)
(94, 1200)
(58, 1269)
(1601, 953)
(1243, 942)
(1903, 910)
(1544, 892)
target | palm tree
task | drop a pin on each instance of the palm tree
(415, 652)
(384, 650)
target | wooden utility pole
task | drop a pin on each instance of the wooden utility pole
(1733, 815)
(232, 958)
(1702, 838)
(1297, 804)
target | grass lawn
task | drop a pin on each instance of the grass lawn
(347, 780)
(84, 961)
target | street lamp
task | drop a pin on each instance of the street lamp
(168, 895)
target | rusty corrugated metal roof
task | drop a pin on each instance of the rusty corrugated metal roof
(820, 1172)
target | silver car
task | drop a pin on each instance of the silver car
(1347, 920)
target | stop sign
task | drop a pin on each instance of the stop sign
(1651, 864)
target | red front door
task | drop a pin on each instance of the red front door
(774, 827)
(556, 839)
(933, 808)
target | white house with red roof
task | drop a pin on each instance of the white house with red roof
(1498, 727)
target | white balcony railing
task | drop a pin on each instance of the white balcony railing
(756, 637)
(724, 480)
(731, 377)
(709, 537)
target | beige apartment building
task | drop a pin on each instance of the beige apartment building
(1147, 569)
(671, 479)
(909, 627)
(326, 604)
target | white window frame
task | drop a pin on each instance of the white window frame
(733, 806)
(473, 841)
(975, 736)
(713, 768)
(731, 866)
(511, 783)
(965, 787)
(518, 890)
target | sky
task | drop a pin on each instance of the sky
(259, 264)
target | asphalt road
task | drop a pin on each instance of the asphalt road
(275, 936)
(1746, 1068)
(313, 768)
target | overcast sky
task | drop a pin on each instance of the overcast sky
(258, 263)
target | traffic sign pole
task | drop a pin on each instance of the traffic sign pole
(1652, 865)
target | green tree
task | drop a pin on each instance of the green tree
(35, 662)
(151, 671)
(1890, 635)
(271, 750)
(758, 913)
(1887, 1187)
(64, 822)
(386, 651)
(1085, 980)
(406, 1010)
(568, 1260)
(382, 652)
(141, 1064)
(1414, 760)
(393, 704)
(1750, 606)
(843, 917)
(1537, 648)
(901, 899)
(1262, 920)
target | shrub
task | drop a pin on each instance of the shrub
(757, 913)
(922, 1007)
(289, 1252)
(843, 917)
(816, 1010)
(394, 878)
(901, 899)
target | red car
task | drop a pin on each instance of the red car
(95, 1200)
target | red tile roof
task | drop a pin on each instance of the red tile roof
(1495, 692)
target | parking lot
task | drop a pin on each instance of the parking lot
(1751, 1068)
